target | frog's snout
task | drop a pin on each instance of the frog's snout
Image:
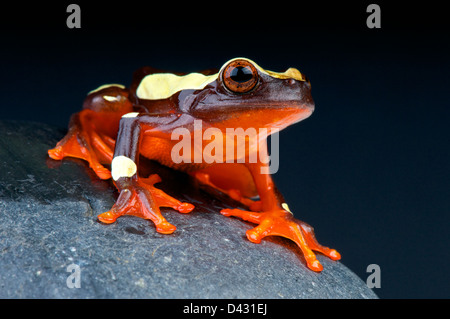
(299, 93)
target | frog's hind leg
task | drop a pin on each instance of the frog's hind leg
(91, 130)
(82, 141)
(232, 179)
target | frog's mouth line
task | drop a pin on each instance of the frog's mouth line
(257, 116)
(294, 104)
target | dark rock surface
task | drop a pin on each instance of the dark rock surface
(48, 221)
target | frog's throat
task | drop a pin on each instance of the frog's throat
(163, 85)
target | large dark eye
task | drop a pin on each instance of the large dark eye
(240, 76)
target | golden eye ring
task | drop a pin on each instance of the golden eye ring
(240, 76)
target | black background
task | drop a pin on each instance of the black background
(369, 170)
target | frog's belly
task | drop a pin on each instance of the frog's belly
(161, 149)
(224, 175)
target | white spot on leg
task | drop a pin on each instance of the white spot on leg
(122, 166)
(131, 114)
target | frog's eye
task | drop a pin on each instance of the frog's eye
(240, 76)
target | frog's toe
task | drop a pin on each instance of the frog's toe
(312, 242)
(56, 153)
(102, 172)
(165, 227)
(163, 199)
(254, 235)
(107, 217)
(185, 208)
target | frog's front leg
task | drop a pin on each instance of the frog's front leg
(138, 196)
(275, 219)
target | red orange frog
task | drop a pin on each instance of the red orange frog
(119, 124)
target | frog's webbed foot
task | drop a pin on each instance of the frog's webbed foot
(282, 223)
(143, 200)
(83, 142)
(164, 200)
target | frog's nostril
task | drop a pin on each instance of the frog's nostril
(291, 81)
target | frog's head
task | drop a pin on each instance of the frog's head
(245, 95)
(240, 94)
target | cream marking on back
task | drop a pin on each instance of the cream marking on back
(110, 98)
(104, 86)
(163, 85)
(286, 207)
(122, 166)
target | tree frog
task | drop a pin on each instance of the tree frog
(119, 124)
